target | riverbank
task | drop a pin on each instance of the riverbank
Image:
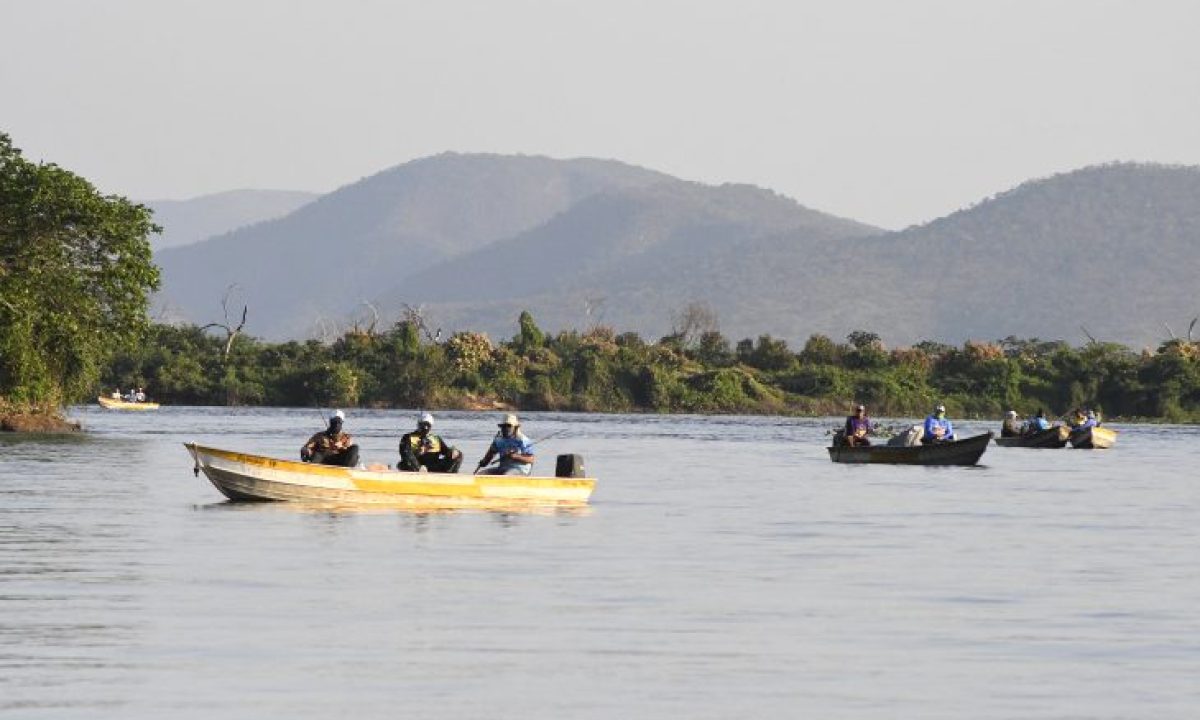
(27, 420)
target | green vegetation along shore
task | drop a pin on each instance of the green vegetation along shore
(601, 370)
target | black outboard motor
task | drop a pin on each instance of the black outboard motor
(569, 466)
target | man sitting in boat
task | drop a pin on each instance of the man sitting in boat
(938, 427)
(1037, 423)
(422, 447)
(514, 450)
(1083, 421)
(1011, 428)
(139, 396)
(858, 426)
(331, 446)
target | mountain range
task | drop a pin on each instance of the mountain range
(1107, 251)
(187, 221)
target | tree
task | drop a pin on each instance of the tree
(75, 275)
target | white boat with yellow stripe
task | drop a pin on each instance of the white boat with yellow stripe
(116, 404)
(241, 476)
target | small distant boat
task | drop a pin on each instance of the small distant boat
(1055, 437)
(241, 476)
(114, 404)
(957, 452)
(1093, 438)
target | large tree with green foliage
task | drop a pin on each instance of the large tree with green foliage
(75, 273)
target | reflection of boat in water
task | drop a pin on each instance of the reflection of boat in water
(958, 452)
(240, 476)
(1055, 437)
(1093, 438)
(114, 404)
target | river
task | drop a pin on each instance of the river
(725, 569)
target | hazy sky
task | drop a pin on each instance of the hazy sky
(887, 111)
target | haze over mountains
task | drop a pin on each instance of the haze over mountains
(475, 239)
(188, 221)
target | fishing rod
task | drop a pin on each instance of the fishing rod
(536, 443)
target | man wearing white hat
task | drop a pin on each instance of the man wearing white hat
(514, 450)
(331, 446)
(1010, 428)
(422, 447)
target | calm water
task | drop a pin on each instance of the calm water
(726, 569)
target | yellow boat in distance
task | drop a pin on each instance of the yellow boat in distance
(241, 476)
(114, 404)
(1094, 438)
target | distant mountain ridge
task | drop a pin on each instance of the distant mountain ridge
(354, 244)
(475, 239)
(187, 221)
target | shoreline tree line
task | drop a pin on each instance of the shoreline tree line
(602, 370)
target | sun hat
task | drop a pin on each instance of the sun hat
(1012, 413)
(940, 408)
(425, 418)
(338, 415)
(510, 419)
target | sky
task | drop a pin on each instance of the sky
(891, 113)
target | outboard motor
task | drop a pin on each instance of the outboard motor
(569, 466)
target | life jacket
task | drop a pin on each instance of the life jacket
(429, 444)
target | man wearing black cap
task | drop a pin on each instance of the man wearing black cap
(858, 426)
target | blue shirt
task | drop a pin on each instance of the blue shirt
(1039, 423)
(932, 422)
(518, 443)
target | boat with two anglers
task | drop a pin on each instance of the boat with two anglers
(244, 477)
(109, 403)
(1054, 438)
(1093, 438)
(954, 452)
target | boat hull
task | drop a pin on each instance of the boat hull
(245, 477)
(1096, 438)
(1054, 438)
(111, 404)
(959, 452)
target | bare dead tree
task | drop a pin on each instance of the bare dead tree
(415, 316)
(1170, 331)
(1190, 326)
(231, 332)
(1091, 339)
(370, 330)
(594, 309)
(693, 321)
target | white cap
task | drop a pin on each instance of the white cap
(1012, 413)
(940, 408)
(338, 414)
(425, 418)
(510, 419)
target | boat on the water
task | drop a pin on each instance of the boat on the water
(957, 452)
(241, 476)
(1093, 438)
(114, 404)
(1055, 437)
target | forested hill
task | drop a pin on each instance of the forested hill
(188, 221)
(315, 266)
(1111, 251)
(631, 258)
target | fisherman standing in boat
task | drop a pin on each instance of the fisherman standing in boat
(422, 447)
(514, 450)
(938, 427)
(331, 446)
(1011, 427)
(858, 426)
